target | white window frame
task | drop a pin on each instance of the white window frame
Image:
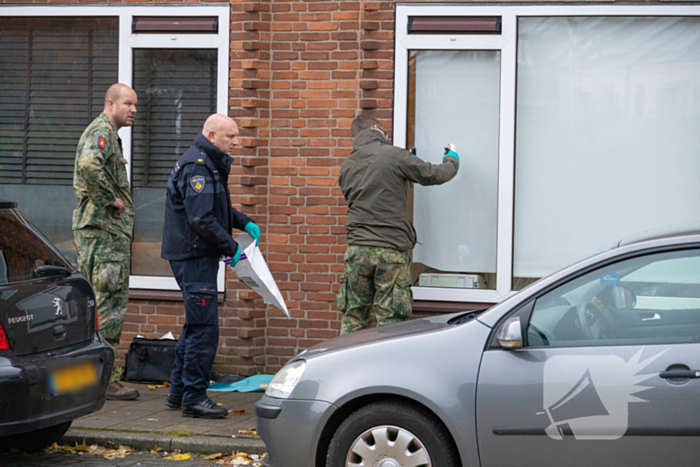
(129, 41)
(506, 43)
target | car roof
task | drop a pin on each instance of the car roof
(4, 204)
(663, 233)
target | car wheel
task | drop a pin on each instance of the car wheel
(391, 434)
(34, 440)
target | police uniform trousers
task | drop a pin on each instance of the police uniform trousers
(199, 340)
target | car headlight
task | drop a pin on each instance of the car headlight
(285, 380)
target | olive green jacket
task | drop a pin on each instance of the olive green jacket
(99, 178)
(375, 179)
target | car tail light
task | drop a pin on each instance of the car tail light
(4, 345)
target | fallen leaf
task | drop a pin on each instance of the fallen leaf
(239, 412)
(213, 456)
(178, 457)
(155, 449)
(155, 386)
(82, 447)
(114, 455)
(247, 432)
(166, 384)
(240, 461)
(96, 450)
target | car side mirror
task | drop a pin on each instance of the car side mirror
(623, 298)
(510, 336)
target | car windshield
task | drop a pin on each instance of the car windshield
(23, 249)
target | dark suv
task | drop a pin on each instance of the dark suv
(54, 366)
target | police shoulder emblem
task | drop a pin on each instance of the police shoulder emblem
(197, 183)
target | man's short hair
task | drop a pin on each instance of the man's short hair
(363, 122)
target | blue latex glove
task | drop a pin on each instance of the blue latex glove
(253, 230)
(451, 150)
(232, 261)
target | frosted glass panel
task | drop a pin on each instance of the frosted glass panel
(454, 97)
(607, 140)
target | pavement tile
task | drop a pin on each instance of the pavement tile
(148, 414)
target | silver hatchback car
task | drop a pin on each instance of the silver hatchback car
(598, 364)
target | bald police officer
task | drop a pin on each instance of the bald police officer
(103, 222)
(199, 220)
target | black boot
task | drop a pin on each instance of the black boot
(174, 402)
(205, 408)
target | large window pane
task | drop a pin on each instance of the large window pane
(53, 77)
(607, 137)
(177, 92)
(454, 98)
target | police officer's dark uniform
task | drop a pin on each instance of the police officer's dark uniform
(199, 220)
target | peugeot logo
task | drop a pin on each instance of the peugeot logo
(58, 306)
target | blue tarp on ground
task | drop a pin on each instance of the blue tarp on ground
(251, 384)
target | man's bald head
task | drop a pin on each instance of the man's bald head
(120, 105)
(115, 91)
(222, 132)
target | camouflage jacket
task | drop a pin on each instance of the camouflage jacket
(99, 178)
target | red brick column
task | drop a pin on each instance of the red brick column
(242, 316)
(377, 76)
(314, 96)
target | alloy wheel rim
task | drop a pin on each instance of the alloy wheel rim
(387, 446)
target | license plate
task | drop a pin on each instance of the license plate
(74, 378)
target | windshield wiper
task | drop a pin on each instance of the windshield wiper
(464, 317)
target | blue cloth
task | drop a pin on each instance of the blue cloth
(198, 215)
(251, 384)
(196, 347)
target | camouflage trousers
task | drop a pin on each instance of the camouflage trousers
(104, 259)
(374, 276)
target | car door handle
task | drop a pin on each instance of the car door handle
(656, 317)
(680, 374)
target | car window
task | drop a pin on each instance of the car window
(23, 249)
(652, 299)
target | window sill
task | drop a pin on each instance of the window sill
(162, 295)
(425, 306)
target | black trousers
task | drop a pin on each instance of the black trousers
(199, 340)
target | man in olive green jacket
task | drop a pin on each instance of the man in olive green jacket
(374, 179)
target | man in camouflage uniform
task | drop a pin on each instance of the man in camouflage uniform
(374, 179)
(103, 222)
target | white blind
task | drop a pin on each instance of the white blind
(607, 140)
(457, 101)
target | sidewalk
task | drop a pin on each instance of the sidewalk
(147, 421)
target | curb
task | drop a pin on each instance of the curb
(146, 441)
